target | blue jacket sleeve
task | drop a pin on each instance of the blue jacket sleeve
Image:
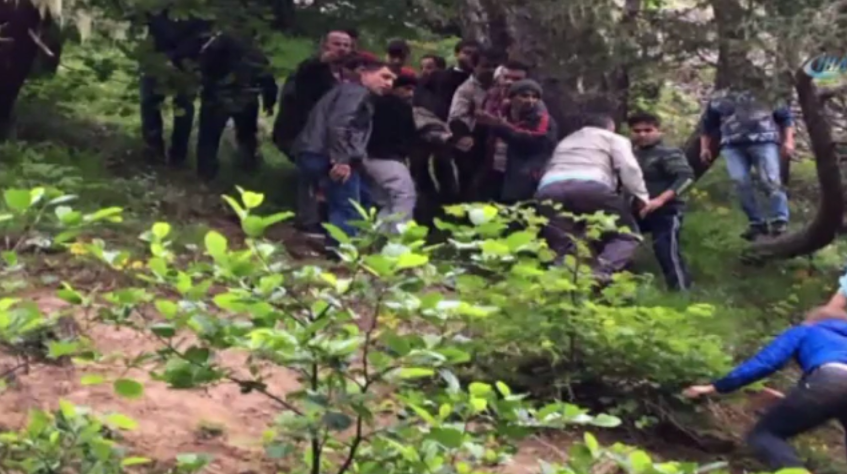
(770, 359)
(783, 117)
(711, 120)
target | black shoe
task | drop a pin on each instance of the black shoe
(754, 232)
(778, 228)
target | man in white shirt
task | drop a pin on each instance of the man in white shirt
(584, 175)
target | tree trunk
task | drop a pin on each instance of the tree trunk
(20, 20)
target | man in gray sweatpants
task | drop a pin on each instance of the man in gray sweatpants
(583, 176)
(394, 134)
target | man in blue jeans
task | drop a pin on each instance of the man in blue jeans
(333, 144)
(752, 136)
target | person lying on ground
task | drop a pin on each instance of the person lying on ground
(819, 346)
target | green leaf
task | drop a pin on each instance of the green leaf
(337, 234)
(415, 373)
(606, 421)
(276, 218)
(640, 462)
(112, 214)
(411, 260)
(135, 461)
(253, 226)
(164, 330)
(336, 421)
(503, 389)
(57, 349)
(478, 389)
(92, 379)
(161, 230)
(520, 239)
(167, 308)
(128, 388)
(122, 422)
(379, 264)
(18, 200)
(68, 216)
(239, 211)
(451, 438)
(252, 200)
(216, 245)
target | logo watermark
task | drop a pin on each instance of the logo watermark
(826, 66)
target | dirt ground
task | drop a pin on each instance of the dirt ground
(219, 421)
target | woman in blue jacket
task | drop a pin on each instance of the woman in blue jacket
(820, 348)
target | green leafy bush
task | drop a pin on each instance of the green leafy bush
(375, 343)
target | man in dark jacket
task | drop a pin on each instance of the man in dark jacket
(332, 145)
(530, 134)
(181, 42)
(394, 135)
(667, 175)
(235, 73)
(313, 78)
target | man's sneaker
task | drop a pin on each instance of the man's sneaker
(778, 228)
(754, 232)
(312, 231)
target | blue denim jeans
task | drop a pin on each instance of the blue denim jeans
(764, 158)
(819, 397)
(339, 195)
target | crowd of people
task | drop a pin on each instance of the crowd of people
(370, 129)
(374, 131)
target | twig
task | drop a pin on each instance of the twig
(38, 42)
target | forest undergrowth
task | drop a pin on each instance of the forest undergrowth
(625, 354)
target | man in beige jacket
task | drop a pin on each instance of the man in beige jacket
(584, 175)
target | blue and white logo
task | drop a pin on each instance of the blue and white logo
(826, 66)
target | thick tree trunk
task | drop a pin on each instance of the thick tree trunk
(20, 20)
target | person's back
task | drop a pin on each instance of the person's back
(588, 153)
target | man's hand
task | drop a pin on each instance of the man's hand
(706, 155)
(697, 391)
(651, 206)
(465, 144)
(787, 149)
(486, 118)
(340, 172)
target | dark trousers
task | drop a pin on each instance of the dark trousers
(339, 195)
(152, 127)
(664, 225)
(615, 250)
(214, 115)
(437, 181)
(818, 398)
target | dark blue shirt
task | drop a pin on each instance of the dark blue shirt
(742, 120)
